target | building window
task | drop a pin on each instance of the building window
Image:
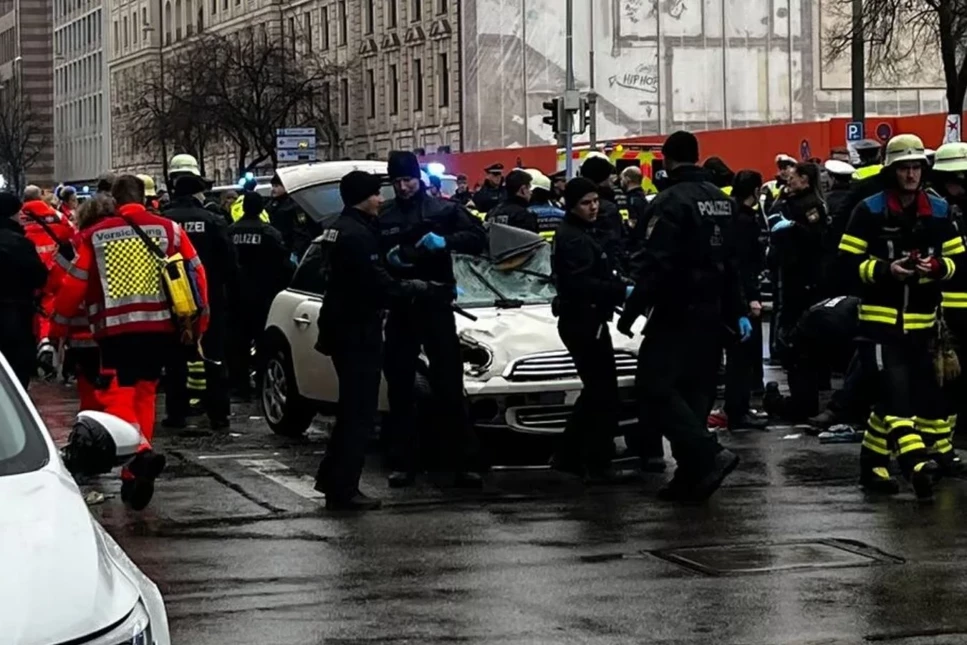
(292, 34)
(324, 28)
(124, 31)
(137, 28)
(443, 69)
(417, 85)
(327, 98)
(371, 92)
(370, 16)
(343, 27)
(201, 19)
(307, 21)
(117, 40)
(394, 90)
(179, 18)
(442, 6)
(390, 14)
(214, 7)
(344, 101)
(417, 13)
(168, 23)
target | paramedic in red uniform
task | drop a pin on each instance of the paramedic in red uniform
(48, 230)
(118, 277)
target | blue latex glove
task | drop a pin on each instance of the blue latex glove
(294, 259)
(393, 257)
(628, 291)
(781, 224)
(745, 329)
(457, 291)
(432, 242)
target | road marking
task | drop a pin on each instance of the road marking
(279, 473)
(249, 455)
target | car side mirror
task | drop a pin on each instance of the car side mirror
(98, 442)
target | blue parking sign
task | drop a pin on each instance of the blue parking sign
(854, 131)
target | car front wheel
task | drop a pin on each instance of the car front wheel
(287, 413)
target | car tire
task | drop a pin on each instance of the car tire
(286, 413)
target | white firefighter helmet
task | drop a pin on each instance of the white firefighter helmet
(184, 164)
(838, 168)
(539, 179)
(951, 157)
(905, 147)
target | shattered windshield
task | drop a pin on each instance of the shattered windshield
(515, 279)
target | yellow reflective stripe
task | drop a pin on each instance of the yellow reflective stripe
(878, 425)
(867, 270)
(876, 309)
(848, 242)
(919, 321)
(881, 472)
(910, 443)
(953, 246)
(943, 446)
(931, 423)
(875, 440)
(547, 235)
(872, 443)
(953, 299)
(951, 268)
(953, 420)
(873, 313)
(624, 214)
(898, 422)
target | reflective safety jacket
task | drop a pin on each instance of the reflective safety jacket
(866, 172)
(37, 219)
(119, 277)
(77, 328)
(881, 231)
(549, 218)
(238, 210)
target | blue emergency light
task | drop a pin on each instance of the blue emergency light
(435, 168)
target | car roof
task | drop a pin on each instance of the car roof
(295, 178)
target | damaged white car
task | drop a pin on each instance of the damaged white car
(518, 376)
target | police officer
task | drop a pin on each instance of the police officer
(358, 289)
(631, 179)
(688, 286)
(297, 227)
(838, 194)
(608, 226)
(462, 195)
(209, 235)
(558, 182)
(418, 234)
(549, 216)
(772, 190)
(514, 210)
(900, 246)
(265, 269)
(492, 192)
(237, 208)
(588, 292)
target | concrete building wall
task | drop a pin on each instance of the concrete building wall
(82, 132)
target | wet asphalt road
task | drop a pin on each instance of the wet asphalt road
(789, 551)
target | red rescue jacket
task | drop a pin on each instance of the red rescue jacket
(59, 225)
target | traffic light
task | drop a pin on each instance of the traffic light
(583, 117)
(554, 118)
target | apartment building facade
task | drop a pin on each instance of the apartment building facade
(82, 124)
(26, 58)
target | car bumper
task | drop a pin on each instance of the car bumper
(537, 408)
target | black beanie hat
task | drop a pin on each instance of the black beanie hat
(358, 186)
(681, 146)
(252, 204)
(576, 190)
(10, 204)
(403, 163)
(597, 169)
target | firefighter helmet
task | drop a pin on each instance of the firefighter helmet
(951, 157)
(184, 164)
(905, 147)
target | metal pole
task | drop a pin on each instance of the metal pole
(569, 87)
(523, 66)
(858, 63)
(592, 95)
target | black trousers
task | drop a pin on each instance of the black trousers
(247, 328)
(677, 369)
(590, 430)
(215, 399)
(740, 372)
(357, 361)
(431, 327)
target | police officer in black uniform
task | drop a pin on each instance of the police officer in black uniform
(265, 266)
(492, 192)
(209, 235)
(588, 292)
(513, 210)
(608, 226)
(462, 195)
(358, 289)
(688, 283)
(297, 227)
(418, 233)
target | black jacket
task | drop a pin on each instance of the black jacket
(688, 268)
(297, 227)
(838, 208)
(749, 250)
(24, 274)
(637, 207)
(609, 228)
(209, 236)
(800, 255)
(358, 288)
(513, 211)
(488, 197)
(403, 223)
(586, 284)
(265, 263)
(462, 197)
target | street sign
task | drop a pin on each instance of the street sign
(296, 156)
(854, 131)
(952, 129)
(295, 132)
(884, 131)
(805, 151)
(295, 145)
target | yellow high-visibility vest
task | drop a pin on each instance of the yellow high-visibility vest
(867, 171)
(238, 210)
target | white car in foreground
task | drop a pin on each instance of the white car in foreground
(518, 376)
(64, 580)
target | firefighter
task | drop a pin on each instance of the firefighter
(50, 233)
(463, 195)
(588, 292)
(150, 195)
(687, 285)
(514, 210)
(209, 236)
(493, 191)
(358, 289)
(265, 270)
(297, 227)
(900, 245)
(418, 233)
(549, 216)
(608, 225)
(24, 273)
(117, 275)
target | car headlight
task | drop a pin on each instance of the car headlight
(135, 629)
(477, 357)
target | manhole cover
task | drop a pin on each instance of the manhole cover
(739, 559)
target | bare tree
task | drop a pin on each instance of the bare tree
(21, 136)
(903, 38)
